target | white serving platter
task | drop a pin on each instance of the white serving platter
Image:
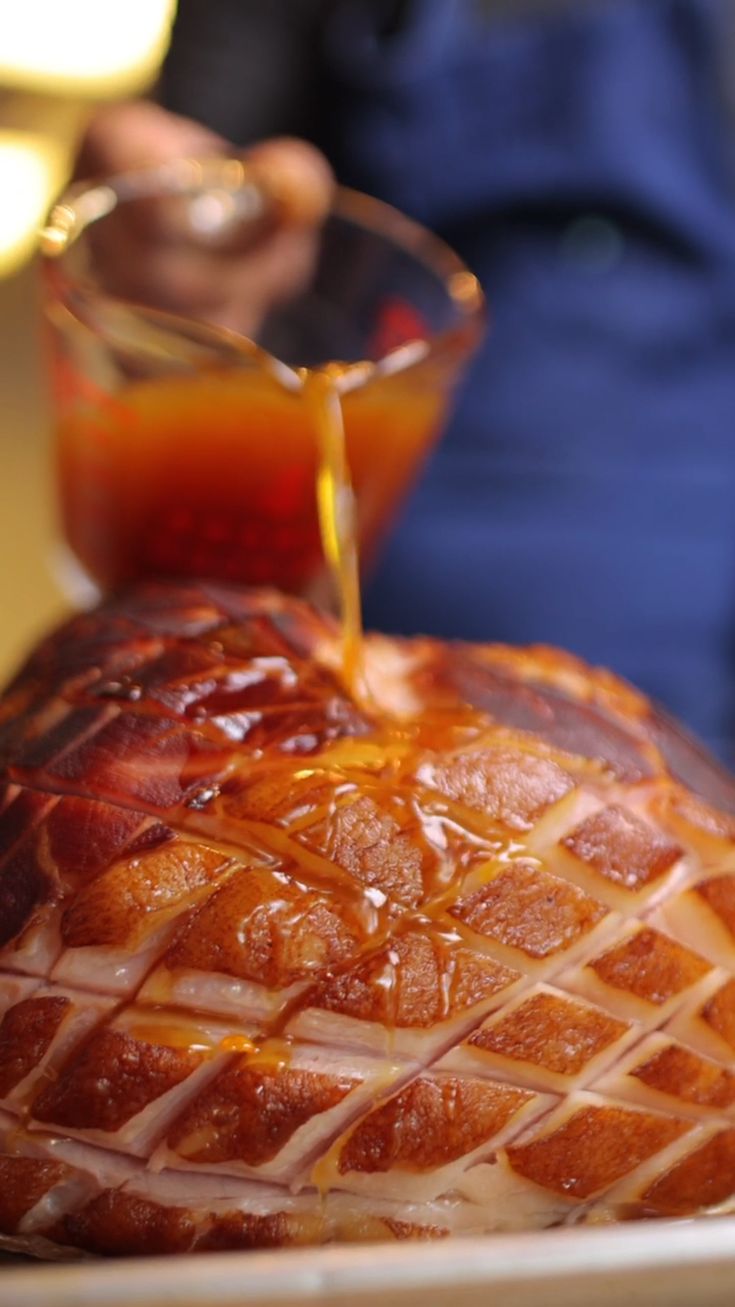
(656, 1264)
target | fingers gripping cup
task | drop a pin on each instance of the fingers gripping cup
(187, 322)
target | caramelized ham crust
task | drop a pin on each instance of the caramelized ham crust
(281, 964)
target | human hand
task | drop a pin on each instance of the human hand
(169, 255)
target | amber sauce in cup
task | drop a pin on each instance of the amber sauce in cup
(188, 448)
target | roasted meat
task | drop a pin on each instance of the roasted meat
(280, 965)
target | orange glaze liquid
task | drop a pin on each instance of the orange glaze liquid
(214, 475)
(173, 1033)
(336, 508)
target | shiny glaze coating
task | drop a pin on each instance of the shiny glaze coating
(280, 965)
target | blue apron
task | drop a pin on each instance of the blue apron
(581, 163)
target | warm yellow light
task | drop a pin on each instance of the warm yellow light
(31, 170)
(97, 47)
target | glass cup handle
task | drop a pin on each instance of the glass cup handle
(215, 214)
(215, 200)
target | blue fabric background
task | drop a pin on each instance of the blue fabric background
(582, 165)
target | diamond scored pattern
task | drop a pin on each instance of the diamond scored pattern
(278, 968)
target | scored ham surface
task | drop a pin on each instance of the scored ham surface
(279, 966)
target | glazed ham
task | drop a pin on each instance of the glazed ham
(283, 965)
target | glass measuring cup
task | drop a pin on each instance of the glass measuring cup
(184, 442)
